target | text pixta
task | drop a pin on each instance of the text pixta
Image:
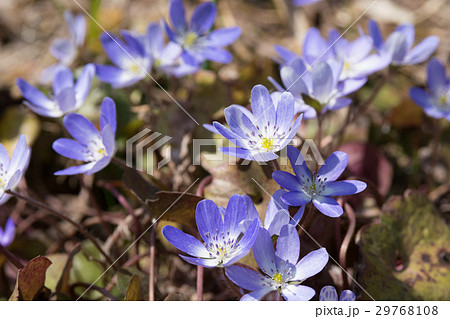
(337, 311)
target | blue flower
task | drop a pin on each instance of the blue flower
(224, 243)
(328, 293)
(357, 59)
(65, 50)
(318, 188)
(196, 39)
(435, 100)
(277, 214)
(399, 44)
(320, 83)
(165, 58)
(7, 235)
(281, 270)
(301, 3)
(90, 145)
(12, 170)
(259, 135)
(131, 60)
(67, 96)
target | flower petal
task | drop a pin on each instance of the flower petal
(177, 15)
(246, 243)
(216, 55)
(347, 295)
(375, 33)
(235, 213)
(208, 218)
(285, 112)
(70, 148)
(108, 114)
(203, 17)
(288, 244)
(244, 277)
(435, 75)
(223, 37)
(75, 169)
(80, 128)
(328, 293)
(262, 106)
(184, 242)
(341, 188)
(83, 84)
(34, 96)
(7, 237)
(256, 295)
(287, 181)
(296, 198)
(328, 206)
(333, 167)
(422, 51)
(264, 253)
(298, 163)
(311, 264)
(204, 262)
(298, 293)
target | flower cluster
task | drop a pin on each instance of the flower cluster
(332, 68)
(66, 50)
(328, 293)
(435, 100)
(188, 47)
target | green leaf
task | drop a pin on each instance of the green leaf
(403, 255)
(134, 289)
(312, 102)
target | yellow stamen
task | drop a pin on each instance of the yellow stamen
(101, 151)
(267, 143)
(134, 68)
(190, 39)
(278, 278)
(346, 65)
(443, 99)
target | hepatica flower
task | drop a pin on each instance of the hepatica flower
(90, 145)
(223, 243)
(277, 214)
(264, 131)
(165, 58)
(67, 95)
(318, 188)
(7, 235)
(399, 45)
(196, 39)
(435, 100)
(328, 293)
(12, 170)
(314, 89)
(281, 269)
(65, 50)
(131, 60)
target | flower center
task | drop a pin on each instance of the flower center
(190, 39)
(220, 245)
(278, 278)
(267, 143)
(134, 68)
(157, 63)
(443, 100)
(313, 186)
